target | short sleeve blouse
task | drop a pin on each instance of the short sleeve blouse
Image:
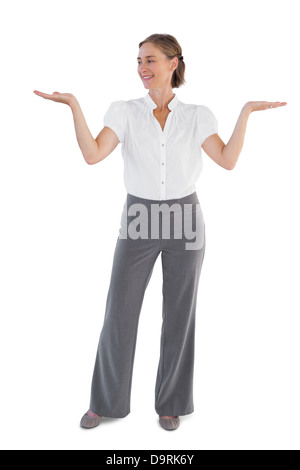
(160, 164)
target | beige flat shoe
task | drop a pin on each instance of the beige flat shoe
(169, 423)
(89, 422)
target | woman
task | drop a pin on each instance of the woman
(162, 139)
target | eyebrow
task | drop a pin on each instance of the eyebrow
(147, 56)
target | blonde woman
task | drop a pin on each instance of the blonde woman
(161, 138)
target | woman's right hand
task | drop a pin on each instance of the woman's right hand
(66, 98)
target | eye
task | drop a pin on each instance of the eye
(148, 61)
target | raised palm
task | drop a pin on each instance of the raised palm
(262, 105)
(65, 98)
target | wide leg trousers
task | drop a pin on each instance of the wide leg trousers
(144, 234)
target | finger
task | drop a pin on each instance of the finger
(43, 95)
(54, 97)
(39, 93)
(276, 104)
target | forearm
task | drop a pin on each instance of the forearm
(232, 149)
(86, 141)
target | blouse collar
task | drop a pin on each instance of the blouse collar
(152, 105)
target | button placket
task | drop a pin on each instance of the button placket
(163, 169)
(163, 135)
(163, 166)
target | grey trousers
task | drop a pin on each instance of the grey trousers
(133, 263)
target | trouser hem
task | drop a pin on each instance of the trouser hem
(110, 415)
(174, 412)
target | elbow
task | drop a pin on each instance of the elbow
(230, 157)
(229, 163)
(91, 160)
(229, 166)
(93, 155)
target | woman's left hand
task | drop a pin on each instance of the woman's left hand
(261, 105)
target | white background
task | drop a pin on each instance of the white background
(60, 220)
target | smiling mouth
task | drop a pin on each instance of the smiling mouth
(147, 77)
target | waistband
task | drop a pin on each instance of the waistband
(189, 199)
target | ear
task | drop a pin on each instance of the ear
(174, 63)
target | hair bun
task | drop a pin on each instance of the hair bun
(181, 57)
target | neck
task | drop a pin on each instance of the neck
(161, 98)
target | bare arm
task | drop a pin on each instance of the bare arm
(93, 150)
(227, 155)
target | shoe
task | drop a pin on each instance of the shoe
(89, 422)
(169, 423)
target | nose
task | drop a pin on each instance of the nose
(142, 69)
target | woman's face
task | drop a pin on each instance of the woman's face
(154, 68)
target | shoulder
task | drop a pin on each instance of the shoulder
(204, 113)
(202, 109)
(127, 105)
(118, 104)
(198, 112)
(193, 108)
(186, 106)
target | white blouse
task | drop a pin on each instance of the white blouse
(160, 164)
